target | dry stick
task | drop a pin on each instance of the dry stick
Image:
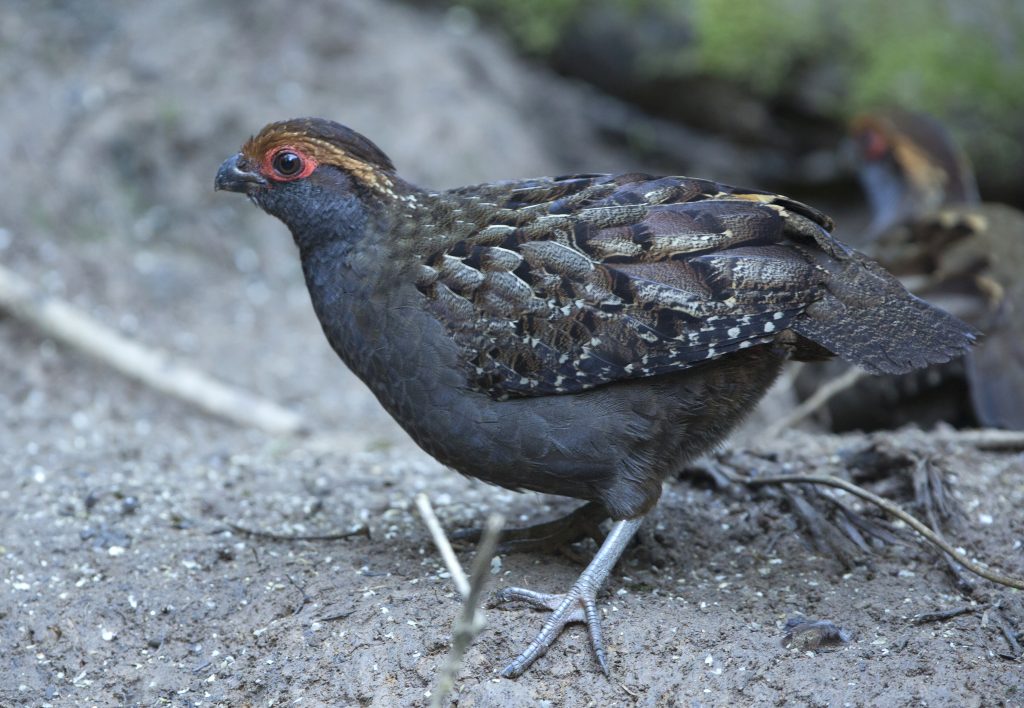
(358, 530)
(443, 545)
(986, 439)
(812, 404)
(470, 621)
(889, 508)
(942, 615)
(67, 324)
(1008, 633)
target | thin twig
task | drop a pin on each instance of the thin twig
(986, 439)
(889, 508)
(943, 615)
(928, 489)
(444, 547)
(470, 621)
(302, 593)
(632, 694)
(359, 530)
(822, 396)
(156, 369)
(1011, 637)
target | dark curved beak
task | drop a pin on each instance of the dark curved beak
(234, 178)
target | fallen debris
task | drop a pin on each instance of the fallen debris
(812, 635)
(156, 369)
(943, 615)
(470, 621)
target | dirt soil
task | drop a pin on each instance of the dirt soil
(127, 577)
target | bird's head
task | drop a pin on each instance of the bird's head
(908, 164)
(312, 174)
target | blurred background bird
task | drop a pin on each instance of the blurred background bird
(931, 229)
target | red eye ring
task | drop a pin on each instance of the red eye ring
(874, 145)
(286, 164)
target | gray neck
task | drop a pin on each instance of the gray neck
(360, 295)
(887, 192)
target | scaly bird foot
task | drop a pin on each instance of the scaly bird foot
(577, 605)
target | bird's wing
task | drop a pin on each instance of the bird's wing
(577, 282)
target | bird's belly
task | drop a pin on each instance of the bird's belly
(614, 444)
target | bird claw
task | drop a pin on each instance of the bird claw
(577, 605)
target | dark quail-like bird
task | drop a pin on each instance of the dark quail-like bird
(908, 165)
(931, 230)
(583, 336)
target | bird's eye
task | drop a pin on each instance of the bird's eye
(287, 163)
(874, 145)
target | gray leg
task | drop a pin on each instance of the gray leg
(577, 605)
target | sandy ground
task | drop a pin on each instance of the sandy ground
(125, 578)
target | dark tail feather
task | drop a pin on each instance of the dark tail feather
(869, 319)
